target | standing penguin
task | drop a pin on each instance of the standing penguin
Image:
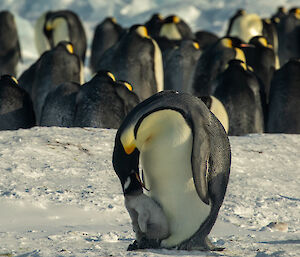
(107, 33)
(16, 110)
(240, 93)
(284, 101)
(10, 52)
(59, 107)
(102, 102)
(154, 25)
(179, 66)
(185, 158)
(212, 62)
(261, 57)
(52, 69)
(288, 29)
(136, 58)
(54, 27)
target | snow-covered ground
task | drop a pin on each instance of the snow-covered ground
(59, 195)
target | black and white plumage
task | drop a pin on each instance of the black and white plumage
(185, 158)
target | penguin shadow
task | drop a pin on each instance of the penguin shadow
(281, 242)
(170, 252)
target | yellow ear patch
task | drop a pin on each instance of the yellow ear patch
(297, 13)
(226, 42)
(70, 48)
(243, 65)
(277, 20)
(49, 26)
(114, 20)
(239, 54)
(160, 17)
(196, 45)
(111, 75)
(15, 80)
(142, 31)
(176, 19)
(128, 140)
(129, 87)
(263, 41)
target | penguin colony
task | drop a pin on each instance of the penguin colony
(166, 89)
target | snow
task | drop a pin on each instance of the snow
(59, 195)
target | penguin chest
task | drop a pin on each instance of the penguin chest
(167, 173)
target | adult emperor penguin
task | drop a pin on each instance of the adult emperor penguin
(212, 62)
(240, 92)
(107, 33)
(154, 24)
(175, 28)
(102, 102)
(60, 105)
(10, 52)
(218, 109)
(288, 30)
(179, 66)
(54, 67)
(63, 25)
(185, 157)
(16, 110)
(205, 38)
(283, 116)
(136, 58)
(261, 57)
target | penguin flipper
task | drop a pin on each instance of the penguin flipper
(200, 156)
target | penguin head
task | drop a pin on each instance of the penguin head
(140, 30)
(154, 24)
(105, 75)
(295, 12)
(233, 43)
(260, 41)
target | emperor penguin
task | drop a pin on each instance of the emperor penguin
(175, 28)
(284, 100)
(288, 29)
(104, 102)
(240, 92)
(54, 67)
(184, 154)
(212, 62)
(205, 38)
(136, 58)
(179, 66)
(63, 25)
(247, 25)
(16, 109)
(260, 55)
(59, 106)
(218, 109)
(153, 25)
(10, 52)
(106, 34)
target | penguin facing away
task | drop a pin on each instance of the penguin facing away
(106, 34)
(64, 25)
(10, 52)
(185, 158)
(59, 107)
(283, 115)
(102, 102)
(54, 67)
(16, 110)
(240, 92)
(136, 58)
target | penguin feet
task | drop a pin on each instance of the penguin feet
(144, 243)
(196, 244)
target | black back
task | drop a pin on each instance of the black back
(239, 91)
(285, 99)
(16, 110)
(10, 52)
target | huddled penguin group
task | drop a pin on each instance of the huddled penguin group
(173, 95)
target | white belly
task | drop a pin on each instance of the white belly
(168, 174)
